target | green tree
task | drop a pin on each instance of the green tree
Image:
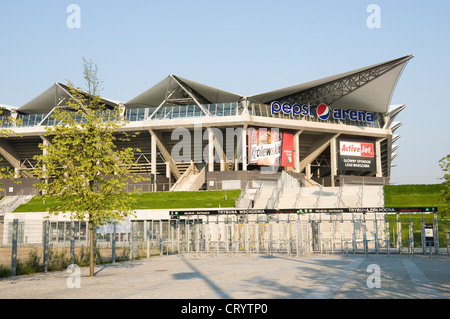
(6, 120)
(444, 163)
(80, 165)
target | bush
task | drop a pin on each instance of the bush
(82, 259)
(5, 271)
(58, 260)
(31, 265)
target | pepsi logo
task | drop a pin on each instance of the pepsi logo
(323, 112)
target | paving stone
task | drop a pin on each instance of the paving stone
(246, 276)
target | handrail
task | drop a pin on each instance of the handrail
(258, 192)
(241, 195)
(16, 201)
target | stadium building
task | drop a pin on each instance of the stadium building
(311, 161)
(339, 129)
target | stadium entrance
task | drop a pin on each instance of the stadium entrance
(305, 231)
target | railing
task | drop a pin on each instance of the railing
(241, 195)
(368, 180)
(186, 111)
(137, 114)
(28, 120)
(426, 179)
(140, 114)
(273, 200)
(9, 203)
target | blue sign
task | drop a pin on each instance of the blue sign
(323, 112)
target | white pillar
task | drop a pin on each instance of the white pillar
(168, 170)
(210, 151)
(378, 158)
(46, 143)
(333, 159)
(308, 171)
(244, 148)
(16, 172)
(153, 154)
(297, 152)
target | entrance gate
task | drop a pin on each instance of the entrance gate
(306, 231)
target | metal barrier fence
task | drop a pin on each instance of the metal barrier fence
(53, 245)
(303, 234)
(64, 242)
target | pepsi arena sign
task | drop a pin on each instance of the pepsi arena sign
(322, 111)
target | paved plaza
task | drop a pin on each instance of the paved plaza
(246, 276)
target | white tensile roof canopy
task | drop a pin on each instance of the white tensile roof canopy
(55, 95)
(368, 89)
(166, 90)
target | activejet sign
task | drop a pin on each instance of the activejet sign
(322, 111)
(356, 156)
(356, 149)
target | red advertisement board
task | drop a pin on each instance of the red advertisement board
(270, 147)
(348, 148)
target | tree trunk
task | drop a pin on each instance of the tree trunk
(91, 248)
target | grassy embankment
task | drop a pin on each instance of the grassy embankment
(160, 200)
(417, 196)
(395, 196)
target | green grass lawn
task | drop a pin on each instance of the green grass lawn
(202, 199)
(414, 196)
(159, 200)
(395, 196)
(417, 196)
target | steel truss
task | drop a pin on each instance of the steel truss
(331, 92)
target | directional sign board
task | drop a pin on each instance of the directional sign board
(175, 214)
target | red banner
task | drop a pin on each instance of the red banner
(270, 147)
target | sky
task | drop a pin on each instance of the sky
(245, 47)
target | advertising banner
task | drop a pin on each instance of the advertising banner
(356, 155)
(270, 147)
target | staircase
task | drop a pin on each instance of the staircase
(337, 197)
(247, 199)
(289, 194)
(9, 203)
(263, 195)
(191, 180)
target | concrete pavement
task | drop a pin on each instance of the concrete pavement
(245, 276)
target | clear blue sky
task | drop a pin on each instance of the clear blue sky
(245, 47)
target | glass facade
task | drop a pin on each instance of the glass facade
(27, 120)
(172, 112)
